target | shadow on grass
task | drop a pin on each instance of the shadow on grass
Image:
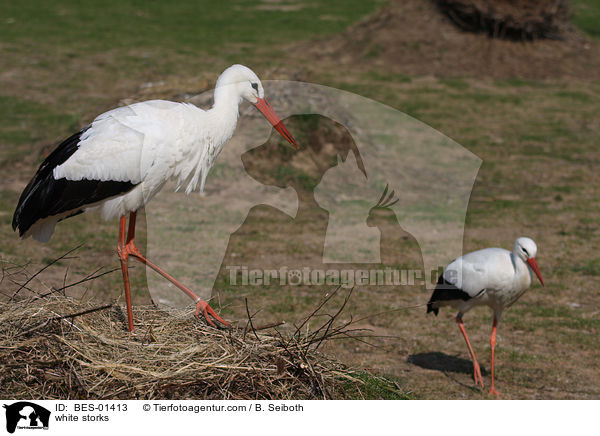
(443, 362)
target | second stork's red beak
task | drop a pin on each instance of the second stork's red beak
(534, 266)
(265, 108)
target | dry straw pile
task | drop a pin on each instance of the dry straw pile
(54, 347)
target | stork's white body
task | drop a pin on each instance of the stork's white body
(148, 144)
(493, 277)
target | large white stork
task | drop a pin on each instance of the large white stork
(125, 156)
(493, 277)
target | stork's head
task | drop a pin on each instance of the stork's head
(243, 83)
(526, 249)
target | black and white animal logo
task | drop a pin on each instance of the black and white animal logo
(26, 415)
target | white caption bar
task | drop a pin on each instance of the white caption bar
(298, 417)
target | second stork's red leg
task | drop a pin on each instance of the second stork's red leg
(493, 345)
(129, 248)
(476, 368)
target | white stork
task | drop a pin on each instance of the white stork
(123, 158)
(494, 277)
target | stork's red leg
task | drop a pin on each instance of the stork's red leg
(124, 257)
(493, 345)
(131, 249)
(476, 370)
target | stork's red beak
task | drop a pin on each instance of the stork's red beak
(534, 266)
(265, 108)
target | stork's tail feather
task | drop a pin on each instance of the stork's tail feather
(444, 292)
(438, 294)
(47, 200)
(430, 308)
(36, 197)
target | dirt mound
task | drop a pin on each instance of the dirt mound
(510, 19)
(415, 37)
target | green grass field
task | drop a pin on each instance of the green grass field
(62, 63)
(586, 15)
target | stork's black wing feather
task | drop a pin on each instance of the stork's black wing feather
(46, 196)
(445, 291)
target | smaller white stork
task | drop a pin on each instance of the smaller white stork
(126, 155)
(493, 277)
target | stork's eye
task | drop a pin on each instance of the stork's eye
(255, 86)
(525, 251)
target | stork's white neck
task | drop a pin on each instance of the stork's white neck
(224, 113)
(226, 95)
(523, 274)
(212, 129)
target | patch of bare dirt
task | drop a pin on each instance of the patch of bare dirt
(415, 37)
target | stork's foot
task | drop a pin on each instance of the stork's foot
(203, 306)
(493, 391)
(477, 374)
(129, 249)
